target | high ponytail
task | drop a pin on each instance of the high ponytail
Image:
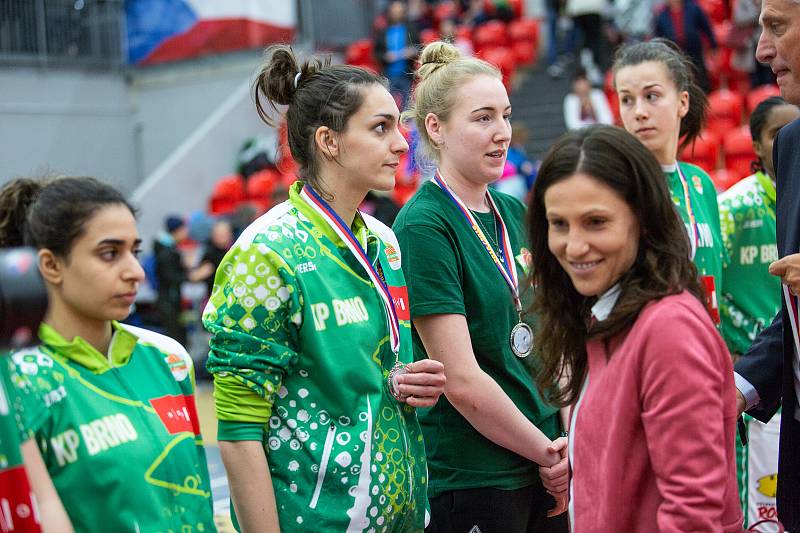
(683, 74)
(316, 93)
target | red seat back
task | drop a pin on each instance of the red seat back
(759, 94)
(228, 192)
(725, 110)
(738, 147)
(703, 152)
(489, 34)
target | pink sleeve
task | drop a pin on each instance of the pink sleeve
(682, 414)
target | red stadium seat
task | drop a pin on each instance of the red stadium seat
(228, 193)
(360, 54)
(504, 59)
(703, 152)
(260, 186)
(444, 10)
(725, 110)
(489, 34)
(714, 9)
(524, 52)
(759, 94)
(464, 32)
(524, 30)
(723, 179)
(738, 147)
(428, 35)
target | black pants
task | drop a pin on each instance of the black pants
(489, 510)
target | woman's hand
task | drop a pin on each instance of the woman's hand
(422, 383)
(556, 478)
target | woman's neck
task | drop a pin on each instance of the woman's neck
(667, 154)
(345, 200)
(97, 333)
(472, 193)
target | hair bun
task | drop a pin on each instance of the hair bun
(436, 55)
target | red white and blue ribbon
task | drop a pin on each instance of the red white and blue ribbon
(793, 308)
(504, 263)
(344, 232)
(694, 231)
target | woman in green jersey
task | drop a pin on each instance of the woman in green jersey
(752, 297)
(464, 253)
(121, 437)
(314, 379)
(662, 105)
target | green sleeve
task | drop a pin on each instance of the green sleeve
(432, 270)
(30, 410)
(253, 316)
(238, 431)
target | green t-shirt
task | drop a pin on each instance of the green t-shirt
(710, 256)
(449, 272)
(121, 441)
(300, 353)
(751, 297)
(18, 411)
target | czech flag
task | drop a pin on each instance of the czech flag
(171, 30)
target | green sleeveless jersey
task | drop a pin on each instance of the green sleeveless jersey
(18, 409)
(121, 440)
(710, 255)
(300, 352)
(751, 297)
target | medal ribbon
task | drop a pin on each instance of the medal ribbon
(504, 263)
(793, 308)
(694, 232)
(346, 234)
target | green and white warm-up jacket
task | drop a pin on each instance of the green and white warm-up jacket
(300, 353)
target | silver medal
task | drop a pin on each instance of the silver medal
(522, 340)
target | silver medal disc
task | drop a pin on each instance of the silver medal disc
(522, 340)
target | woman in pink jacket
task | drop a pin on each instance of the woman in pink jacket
(624, 328)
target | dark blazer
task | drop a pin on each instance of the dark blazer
(773, 350)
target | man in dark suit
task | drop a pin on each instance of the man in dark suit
(768, 375)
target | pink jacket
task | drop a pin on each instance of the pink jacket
(654, 436)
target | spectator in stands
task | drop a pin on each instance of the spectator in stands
(623, 327)
(587, 15)
(219, 243)
(447, 32)
(585, 105)
(171, 272)
(686, 24)
(395, 49)
(752, 297)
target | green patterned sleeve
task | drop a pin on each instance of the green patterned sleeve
(29, 409)
(253, 316)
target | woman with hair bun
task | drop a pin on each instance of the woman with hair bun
(315, 385)
(465, 263)
(119, 424)
(662, 105)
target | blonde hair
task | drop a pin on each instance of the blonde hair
(442, 71)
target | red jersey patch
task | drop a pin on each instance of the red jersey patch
(400, 300)
(18, 511)
(177, 413)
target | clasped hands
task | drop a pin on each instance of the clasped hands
(556, 478)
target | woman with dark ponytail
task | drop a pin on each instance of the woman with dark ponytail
(119, 424)
(315, 385)
(752, 296)
(662, 105)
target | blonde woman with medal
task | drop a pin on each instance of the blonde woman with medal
(315, 388)
(662, 105)
(464, 260)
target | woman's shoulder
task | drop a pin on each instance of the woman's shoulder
(426, 207)
(174, 354)
(673, 317)
(507, 203)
